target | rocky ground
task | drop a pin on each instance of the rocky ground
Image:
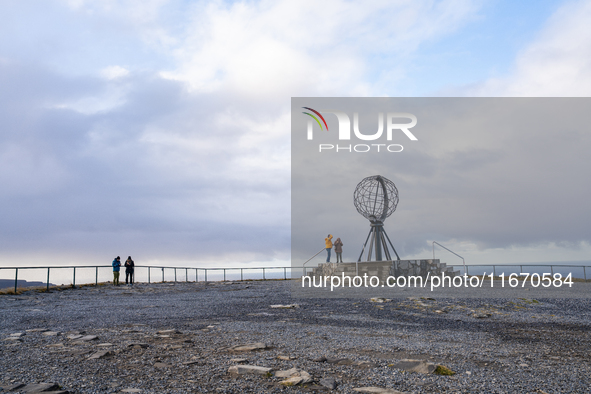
(197, 338)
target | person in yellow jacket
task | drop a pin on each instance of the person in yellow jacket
(328, 243)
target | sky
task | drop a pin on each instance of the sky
(161, 128)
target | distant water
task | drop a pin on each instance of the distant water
(9, 284)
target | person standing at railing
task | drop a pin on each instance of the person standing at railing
(129, 271)
(328, 243)
(116, 268)
(338, 249)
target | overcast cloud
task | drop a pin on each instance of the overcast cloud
(161, 129)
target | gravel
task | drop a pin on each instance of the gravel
(493, 345)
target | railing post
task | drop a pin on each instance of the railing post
(15, 279)
(196, 276)
(284, 273)
(264, 274)
(186, 275)
(585, 273)
(241, 275)
(148, 275)
(205, 275)
(494, 271)
(74, 278)
(162, 274)
(95, 278)
(47, 278)
(466, 270)
(552, 270)
(175, 275)
(520, 269)
(224, 274)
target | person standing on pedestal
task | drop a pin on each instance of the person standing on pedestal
(338, 249)
(328, 242)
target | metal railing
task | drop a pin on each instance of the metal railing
(204, 272)
(262, 271)
(450, 251)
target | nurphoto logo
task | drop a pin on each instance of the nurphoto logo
(392, 124)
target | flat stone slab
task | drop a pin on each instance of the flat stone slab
(376, 390)
(286, 358)
(293, 381)
(138, 345)
(17, 335)
(104, 344)
(249, 370)
(281, 306)
(100, 354)
(420, 366)
(248, 347)
(380, 299)
(14, 387)
(365, 364)
(89, 338)
(164, 332)
(74, 336)
(40, 387)
(295, 376)
(51, 333)
(131, 391)
(51, 392)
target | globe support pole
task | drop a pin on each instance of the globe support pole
(377, 228)
(379, 241)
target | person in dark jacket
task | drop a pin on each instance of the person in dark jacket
(116, 269)
(129, 271)
(338, 249)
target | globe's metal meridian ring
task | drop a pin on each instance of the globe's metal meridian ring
(376, 198)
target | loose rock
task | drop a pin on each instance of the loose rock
(51, 333)
(248, 347)
(329, 383)
(249, 369)
(100, 354)
(420, 366)
(376, 390)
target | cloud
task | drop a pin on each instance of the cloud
(159, 172)
(272, 48)
(114, 72)
(556, 63)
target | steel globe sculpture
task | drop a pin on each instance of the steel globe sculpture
(376, 198)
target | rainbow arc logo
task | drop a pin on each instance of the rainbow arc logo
(315, 118)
